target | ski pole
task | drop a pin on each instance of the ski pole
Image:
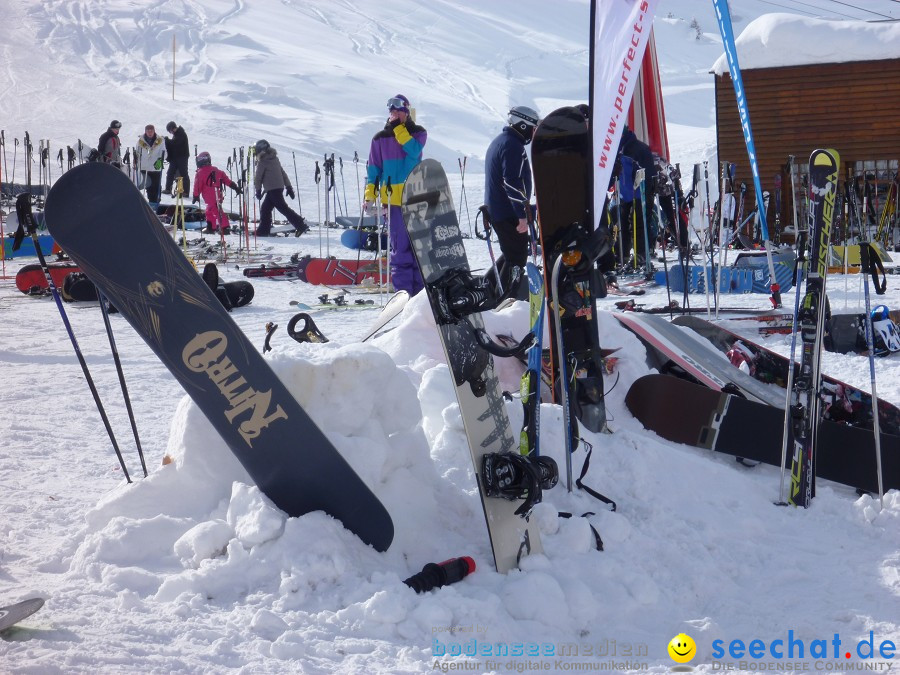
(356, 163)
(389, 190)
(297, 183)
(343, 186)
(26, 221)
(463, 199)
(121, 374)
(865, 250)
(435, 575)
(561, 358)
(318, 178)
(486, 225)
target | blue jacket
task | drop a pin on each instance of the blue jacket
(633, 155)
(507, 177)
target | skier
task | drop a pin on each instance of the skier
(109, 147)
(507, 191)
(150, 152)
(633, 155)
(272, 181)
(394, 151)
(178, 151)
(210, 182)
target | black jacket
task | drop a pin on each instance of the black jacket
(178, 147)
(507, 177)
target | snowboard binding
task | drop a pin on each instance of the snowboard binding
(512, 476)
(458, 293)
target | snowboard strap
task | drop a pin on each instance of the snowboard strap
(592, 492)
(271, 327)
(598, 542)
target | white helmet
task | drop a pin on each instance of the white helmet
(885, 335)
(523, 114)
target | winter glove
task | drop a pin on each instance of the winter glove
(290, 192)
(196, 199)
(237, 190)
(158, 164)
(258, 195)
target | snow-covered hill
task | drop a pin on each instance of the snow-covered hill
(191, 570)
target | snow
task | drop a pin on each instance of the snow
(776, 40)
(191, 569)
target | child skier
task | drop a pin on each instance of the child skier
(210, 182)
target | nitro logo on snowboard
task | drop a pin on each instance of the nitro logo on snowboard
(206, 354)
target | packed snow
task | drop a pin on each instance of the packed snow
(192, 569)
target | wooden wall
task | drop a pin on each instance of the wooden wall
(851, 107)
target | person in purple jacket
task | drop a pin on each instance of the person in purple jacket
(395, 150)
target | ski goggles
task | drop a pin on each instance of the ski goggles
(397, 103)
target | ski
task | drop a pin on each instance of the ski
(509, 484)
(170, 306)
(530, 388)
(804, 396)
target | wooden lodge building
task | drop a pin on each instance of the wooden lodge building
(812, 84)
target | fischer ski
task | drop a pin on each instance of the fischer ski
(804, 398)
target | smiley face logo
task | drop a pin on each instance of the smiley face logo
(682, 648)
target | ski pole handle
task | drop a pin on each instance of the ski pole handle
(435, 575)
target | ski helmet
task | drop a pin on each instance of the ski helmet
(523, 120)
(885, 334)
(203, 159)
(261, 145)
(171, 126)
(115, 124)
(398, 102)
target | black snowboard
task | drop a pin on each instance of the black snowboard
(103, 222)
(688, 413)
(561, 162)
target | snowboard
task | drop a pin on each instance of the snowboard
(438, 245)
(170, 306)
(363, 239)
(13, 614)
(769, 366)
(295, 270)
(32, 275)
(677, 349)
(337, 272)
(561, 163)
(719, 421)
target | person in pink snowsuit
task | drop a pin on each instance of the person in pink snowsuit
(210, 182)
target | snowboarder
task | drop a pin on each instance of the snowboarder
(272, 181)
(210, 182)
(394, 151)
(178, 151)
(507, 191)
(150, 152)
(109, 147)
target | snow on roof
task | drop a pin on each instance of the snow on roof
(775, 40)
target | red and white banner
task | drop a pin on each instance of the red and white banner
(621, 30)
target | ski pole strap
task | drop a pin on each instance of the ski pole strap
(485, 234)
(584, 469)
(598, 542)
(871, 264)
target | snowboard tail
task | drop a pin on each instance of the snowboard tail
(170, 306)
